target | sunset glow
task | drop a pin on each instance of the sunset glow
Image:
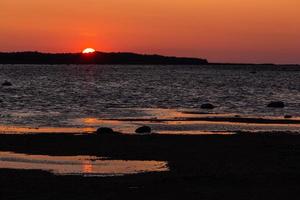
(219, 30)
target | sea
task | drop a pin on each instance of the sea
(82, 98)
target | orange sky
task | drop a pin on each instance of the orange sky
(220, 30)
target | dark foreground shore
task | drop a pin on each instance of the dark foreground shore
(243, 166)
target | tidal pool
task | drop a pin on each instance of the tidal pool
(79, 165)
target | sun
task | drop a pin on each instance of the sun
(88, 50)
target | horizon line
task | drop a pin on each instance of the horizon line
(164, 55)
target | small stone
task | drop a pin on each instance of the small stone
(6, 83)
(104, 131)
(207, 106)
(276, 104)
(143, 129)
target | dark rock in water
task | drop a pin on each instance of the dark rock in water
(276, 104)
(104, 131)
(288, 116)
(143, 129)
(207, 106)
(6, 83)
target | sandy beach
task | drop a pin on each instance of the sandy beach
(241, 166)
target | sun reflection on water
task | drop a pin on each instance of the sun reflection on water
(87, 166)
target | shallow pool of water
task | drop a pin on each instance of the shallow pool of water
(78, 165)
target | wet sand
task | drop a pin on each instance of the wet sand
(241, 166)
(247, 120)
(169, 122)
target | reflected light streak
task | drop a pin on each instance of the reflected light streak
(87, 166)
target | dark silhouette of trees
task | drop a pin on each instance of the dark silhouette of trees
(95, 58)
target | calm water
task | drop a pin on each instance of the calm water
(78, 165)
(78, 97)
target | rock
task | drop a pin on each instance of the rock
(105, 131)
(207, 106)
(143, 129)
(288, 116)
(6, 83)
(276, 104)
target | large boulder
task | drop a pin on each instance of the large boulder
(143, 130)
(276, 104)
(207, 106)
(6, 83)
(105, 131)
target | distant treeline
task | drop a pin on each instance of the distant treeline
(95, 58)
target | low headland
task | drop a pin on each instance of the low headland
(95, 58)
(114, 58)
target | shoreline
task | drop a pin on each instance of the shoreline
(182, 125)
